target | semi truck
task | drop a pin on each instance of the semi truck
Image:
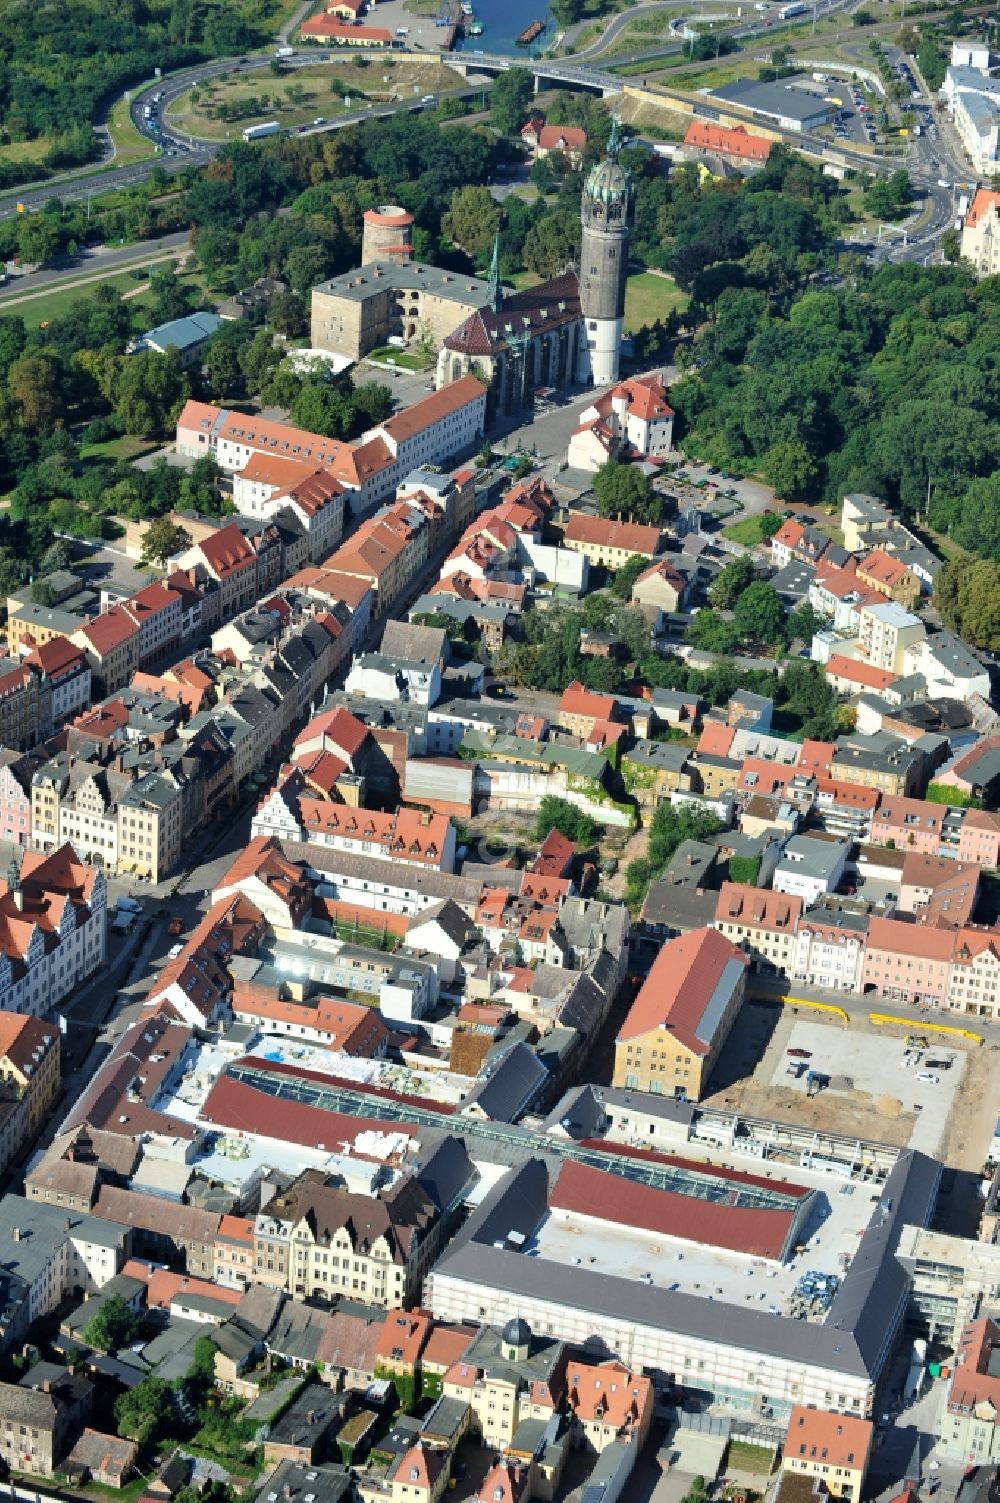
(285, 52)
(787, 11)
(258, 132)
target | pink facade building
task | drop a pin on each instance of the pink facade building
(908, 962)
(909, 824)
(15, 799)
(979, 838)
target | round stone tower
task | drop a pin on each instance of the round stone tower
(387, 232)
(606, 211)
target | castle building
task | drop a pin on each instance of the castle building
(565, 329)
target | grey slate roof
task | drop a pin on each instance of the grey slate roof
(855, 1339)
(507, 1091)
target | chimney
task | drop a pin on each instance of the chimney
(17, 1234)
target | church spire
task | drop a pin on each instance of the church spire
(496, 287)
(614, 139)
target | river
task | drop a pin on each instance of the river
(503, 21)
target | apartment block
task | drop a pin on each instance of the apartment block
(885, 631)
(762, 924)
(832, 1448)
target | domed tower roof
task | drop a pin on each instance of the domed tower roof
(517, 1332)
(607, 193)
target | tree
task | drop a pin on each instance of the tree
(977, 525)
(770, 523)
(729, 584)
(626, 576)
(712, 633)
(558, 814)
(287, 315)
(622, 490)
(56, 556)
(171, 298)
(789, 468)
(322, 407)
(222, 364)
(114, 1326)
(888, 197)
(510, 100)
(146, 1411)
(951, 245)
(967, 595)
(161, 540)
(803, 623)
(37, 385)
(553, 242)
(372, 404)
(151, 391)
(668, 828)
(745, 869)
(759, 615)
(473, 219)
(38, 239)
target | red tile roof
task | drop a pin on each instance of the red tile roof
(227, 551)
(57, 658)
(734, 142)
(25, 1040)
(611, 1198)
(410, 421)
(758, 908)
(834, 1439)
(686, 975)
(984, 202)
(603, 532)
(557, 137)
(233, 1103)
(324, 28)
(716, 739)
(865, 674)
(576, 700)
(917, 940)
(312, 492)
(109, 630)
(883, 568)
(342, 729)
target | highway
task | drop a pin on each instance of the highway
(927, 161)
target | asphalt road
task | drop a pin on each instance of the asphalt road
(92, 261)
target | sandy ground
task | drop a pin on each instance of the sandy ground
(753, 1056)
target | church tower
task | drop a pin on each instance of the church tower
(606, 211)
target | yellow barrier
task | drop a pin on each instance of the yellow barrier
(831, 1007)
(921, 1025)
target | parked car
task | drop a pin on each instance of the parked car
(176, 925)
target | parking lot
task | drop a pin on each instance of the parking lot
(885, 1075)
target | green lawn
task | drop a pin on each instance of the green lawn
(130, 145)
(404, 360)
(118, 448)
(313, 92)
(45, 306)
(744, 1457)
(522, 279)
(649, 296)
(749, 532)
